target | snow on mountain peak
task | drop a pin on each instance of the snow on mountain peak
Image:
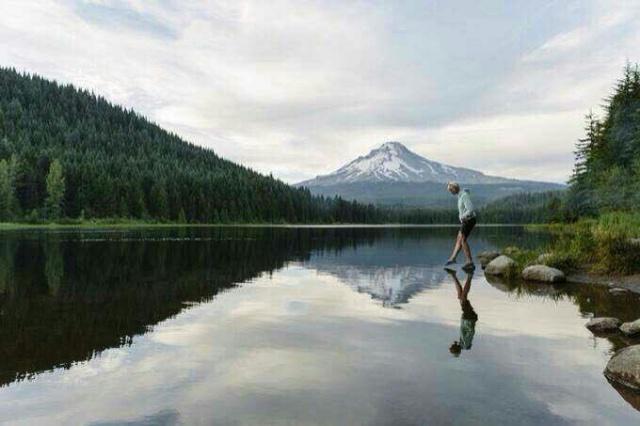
(394, 162)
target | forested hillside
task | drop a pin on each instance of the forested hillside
(68, 153)
(607, 172)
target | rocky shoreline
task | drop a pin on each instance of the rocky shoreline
(507, 266)
(623, 369)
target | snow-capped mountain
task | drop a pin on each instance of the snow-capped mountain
(393, 175)
(394, 162)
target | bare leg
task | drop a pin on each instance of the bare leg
(466, 249)
(456, 248)
(458, 286)
(467, 287)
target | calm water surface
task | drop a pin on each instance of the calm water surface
(255, 326)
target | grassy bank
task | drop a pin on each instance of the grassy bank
(606, 245)
(128, 223)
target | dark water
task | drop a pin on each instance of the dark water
(254, 326)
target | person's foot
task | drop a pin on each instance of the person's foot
(450, 262)
(470, 266)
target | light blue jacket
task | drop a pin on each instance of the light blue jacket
(465, 206)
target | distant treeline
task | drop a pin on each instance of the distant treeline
(67, 153)
(539, 207)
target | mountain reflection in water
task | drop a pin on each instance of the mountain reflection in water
(67, 297)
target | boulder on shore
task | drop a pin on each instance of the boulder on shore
(631, 328)
(487, 256)
(624, 367)
(603, 324)
(543, 273)
(501, 265)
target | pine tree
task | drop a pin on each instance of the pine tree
(1, 122)
(7, 192)
(585, 147)
(55, 191)
(159, 200)
(182, 217)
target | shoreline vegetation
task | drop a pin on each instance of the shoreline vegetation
(608, 244)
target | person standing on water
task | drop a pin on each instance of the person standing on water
(467, 216)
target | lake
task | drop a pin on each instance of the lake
(294, 325)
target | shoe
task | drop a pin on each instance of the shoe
(469, 266)
(449, 262)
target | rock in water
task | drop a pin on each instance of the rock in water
(487, 256)
(618, 291)
(631, 328)
(624, 367)
(543, 273)
(603, 324)
(501, 265)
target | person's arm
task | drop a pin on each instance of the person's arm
(467, 206)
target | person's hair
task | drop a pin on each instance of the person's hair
(453, 187)
(455, 349)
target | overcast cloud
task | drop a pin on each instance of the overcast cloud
(297, 88)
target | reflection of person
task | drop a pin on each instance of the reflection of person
(469, 316)
(467, 216)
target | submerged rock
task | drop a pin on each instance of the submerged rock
(618, 291)
(624, 367)
(631, 328)
(501, 265)
(603, 324)
(632, 396)
(487, 256)
(543, 273)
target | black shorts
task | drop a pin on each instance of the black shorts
(466, 226)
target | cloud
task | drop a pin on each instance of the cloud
(537, 145)
(299, 88)
(115, 15)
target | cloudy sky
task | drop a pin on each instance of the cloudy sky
(297, 88)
